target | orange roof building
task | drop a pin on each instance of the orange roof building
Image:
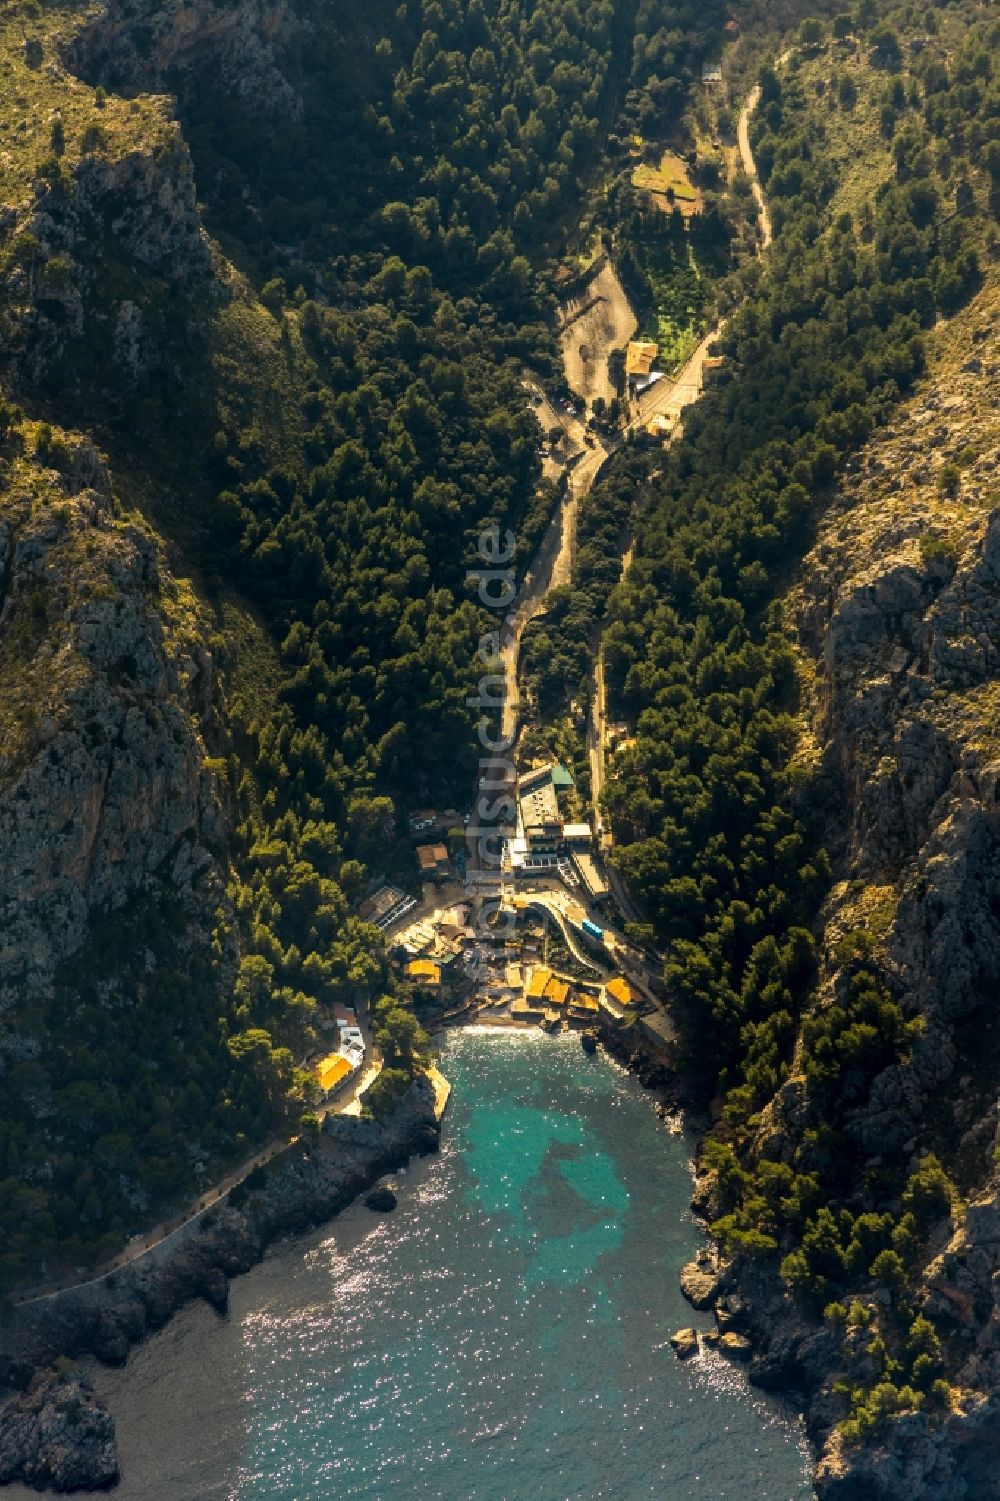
(621, 991)
(556, 991)
(330, 1071)
(431, 858)
(538, 982)
(640, 356)
(424, 972)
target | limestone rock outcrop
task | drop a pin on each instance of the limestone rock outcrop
(698, 1285)
(130, 48)
(57, 1436)
(109, 692)
(684, 1343)
(898, 619)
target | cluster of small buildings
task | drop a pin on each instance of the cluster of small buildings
(432, 856)
(432, 954)
(457, 956)
(453, 961)
(337, 1066)
(553, 1000)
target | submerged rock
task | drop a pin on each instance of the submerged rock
(57, 1435)
(381, 1199)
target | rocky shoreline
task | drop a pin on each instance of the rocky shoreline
(951, 1458)
(955, 1457)
(54, 1433)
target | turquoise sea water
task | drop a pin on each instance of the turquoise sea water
(502, 1336)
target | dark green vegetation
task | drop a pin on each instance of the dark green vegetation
(714, 824)
(465, 129)
(556, 656)
(669, 42)
(322, 423)
(671, 271)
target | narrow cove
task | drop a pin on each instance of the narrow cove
(502, 1336)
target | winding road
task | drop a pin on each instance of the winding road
(346, 1102)
(668, 399)
(750, 166)
(551, 568)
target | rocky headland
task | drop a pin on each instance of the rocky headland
(53, 1431)
(56, 1436)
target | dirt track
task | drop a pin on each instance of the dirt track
(551, 567)
(667, 399)
(607, 325)
(750, 166)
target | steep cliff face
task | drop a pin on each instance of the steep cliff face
(119, 942)
(118, 937)
(898, 619)
(102, 249)
(150, 46)
(104, 788)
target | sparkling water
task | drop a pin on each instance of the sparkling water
(503, 1335)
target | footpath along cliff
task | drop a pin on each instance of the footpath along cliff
(116, 809)
(57, 1433)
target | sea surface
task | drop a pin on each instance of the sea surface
(501, 1336)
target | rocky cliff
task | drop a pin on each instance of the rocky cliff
(131, 48)
(90, 238)
(57, 1433)
(109, 692)
(57, 1437)
(897, 617)
(900, 612)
